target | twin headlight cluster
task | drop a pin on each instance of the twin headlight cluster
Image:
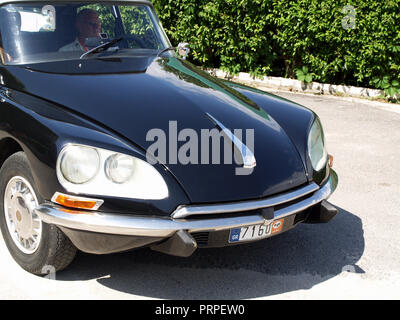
(95, 171)
(316, 146)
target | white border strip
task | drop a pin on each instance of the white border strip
(296, 85)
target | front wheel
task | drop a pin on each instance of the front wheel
(36, 246)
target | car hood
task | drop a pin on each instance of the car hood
(147, 94)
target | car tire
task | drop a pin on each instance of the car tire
(37, 247)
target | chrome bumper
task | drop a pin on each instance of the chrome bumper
(150, 226)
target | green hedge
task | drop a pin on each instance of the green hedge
(277, 37)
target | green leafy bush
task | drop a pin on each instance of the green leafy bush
(278, 37)
(390, 86)
(303, 75)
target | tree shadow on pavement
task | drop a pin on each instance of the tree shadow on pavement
(299, 259)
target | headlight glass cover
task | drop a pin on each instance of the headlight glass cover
(95, 171)
(119, 168)
(316, 146)
(80, 164)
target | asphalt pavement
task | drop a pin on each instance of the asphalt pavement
(355, 256)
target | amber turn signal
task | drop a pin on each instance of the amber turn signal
(330, 161)
(76, 202)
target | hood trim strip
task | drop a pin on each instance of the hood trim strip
(249, 161)
(186, 211)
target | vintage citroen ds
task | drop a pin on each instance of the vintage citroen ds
(110, 140)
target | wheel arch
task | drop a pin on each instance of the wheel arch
(8, 146)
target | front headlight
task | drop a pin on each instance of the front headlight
(95, 171)
(119, 168)
(316, 146)
(80, 164)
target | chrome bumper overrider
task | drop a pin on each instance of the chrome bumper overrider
(150, 226)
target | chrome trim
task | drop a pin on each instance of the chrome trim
(151, 226)
(186, 211)
(322, 194)
(99, 202)
(136, 225)
(249, 161)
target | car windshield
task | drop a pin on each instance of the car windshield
(56, 31)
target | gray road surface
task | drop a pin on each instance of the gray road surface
(357, 255)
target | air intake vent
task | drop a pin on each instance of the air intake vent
(201, 238)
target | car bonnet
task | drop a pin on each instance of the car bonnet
(170, 95)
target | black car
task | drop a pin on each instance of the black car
(110, 140)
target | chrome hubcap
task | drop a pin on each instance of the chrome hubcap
(23, 223)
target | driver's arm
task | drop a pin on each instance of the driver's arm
(5, 57)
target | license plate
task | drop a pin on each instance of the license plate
(255, 232)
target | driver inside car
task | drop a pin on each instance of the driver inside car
(88, 25)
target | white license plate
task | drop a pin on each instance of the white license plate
(255, 232)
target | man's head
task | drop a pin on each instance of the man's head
(88, 23)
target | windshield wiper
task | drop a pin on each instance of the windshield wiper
(101, 47)
(165, 50)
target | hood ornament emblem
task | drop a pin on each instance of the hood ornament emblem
(249, 161)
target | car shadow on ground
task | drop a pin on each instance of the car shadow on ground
(298, 259)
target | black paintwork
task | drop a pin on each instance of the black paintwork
(100, 243)
(113, 102)
(293, 118)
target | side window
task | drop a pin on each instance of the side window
(26, 30)
(136, 20)
(38, 20)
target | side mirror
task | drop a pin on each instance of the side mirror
(183, 49)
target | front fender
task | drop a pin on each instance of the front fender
(295, 119)
(42, 129)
